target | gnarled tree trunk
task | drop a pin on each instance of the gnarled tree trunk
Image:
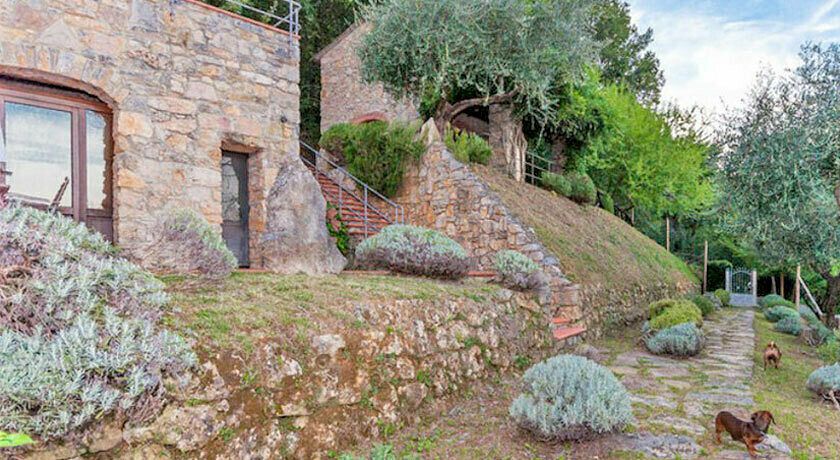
(507, 141)
(832, 296)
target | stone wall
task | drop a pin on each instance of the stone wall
(182, 80)
(442, 193)
(344, 95)
(351, 383)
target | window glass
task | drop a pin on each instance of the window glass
(97, 160)
(38, 152)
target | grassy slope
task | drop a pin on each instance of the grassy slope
(808, 426)
(592, 245)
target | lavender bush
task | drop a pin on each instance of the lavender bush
(414, 251)
(188, 244)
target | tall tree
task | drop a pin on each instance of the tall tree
(466, 53)
(625, 58)
(781, 167)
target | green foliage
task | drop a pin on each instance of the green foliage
(657, 308)
(625, 58)
(467, 147)
(376, 152)
(680, 312)
(80, 329)
(680, 340)
(825, 381)
(339, 231)
(414, 251)
(187, 242)
(517, 271)
(556, 183)
(808, 315)
(830, 351)
(782, 166)
(569, 398)
(778, 312)
(789, 325)
(703, 303)
(714, 300)
(723, 296)
(583, 190)
(607, 202)
(14, 440)
(455, 50)
(773, 300)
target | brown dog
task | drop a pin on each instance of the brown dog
(772, 355)
(740, 430)
(762, 420)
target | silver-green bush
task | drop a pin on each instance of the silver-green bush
(80, 333)
(681, 340)
(789, 325)
(186, 243)
(825, 382)
(414, 251)
(779, 312)
(714, 299)
(517, 271)
(570, 398)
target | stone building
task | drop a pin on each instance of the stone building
(146, 105)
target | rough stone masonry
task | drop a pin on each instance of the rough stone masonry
(183, 81)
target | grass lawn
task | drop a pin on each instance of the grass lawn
(809, 427)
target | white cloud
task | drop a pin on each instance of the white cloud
(711, 60)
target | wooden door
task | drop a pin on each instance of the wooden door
(235, 206)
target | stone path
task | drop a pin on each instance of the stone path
(676, 400)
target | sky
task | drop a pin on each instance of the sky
(711, 50)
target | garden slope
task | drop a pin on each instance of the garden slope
(619, 269)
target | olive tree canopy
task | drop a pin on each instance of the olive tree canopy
(457, 54)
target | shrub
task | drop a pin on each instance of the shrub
(583, 189)
(714, 299)
(778, 312)
(186, 243)
(808, 315)
(723, 296)
(569, 398)
(657, 308)
(376, 152)
(703, 303)
(789, 325)
(414, 251)
(682, 312)
(80, 329)
(771, 300)
(556, 183)
(467, 147)
(607, 202)
(829, 351)
(680, 340)
(517, 271)
(825, 382)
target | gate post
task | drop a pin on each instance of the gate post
(728, 279)
(755, 285)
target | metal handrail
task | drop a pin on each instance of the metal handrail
(339, 198)
(291, 21)
(529, 162)
(399, 213)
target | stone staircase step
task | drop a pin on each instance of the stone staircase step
(564, 333)
(559, 321)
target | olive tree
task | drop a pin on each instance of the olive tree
(456, 54)
(781, 167)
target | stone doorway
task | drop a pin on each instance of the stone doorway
(235, 207)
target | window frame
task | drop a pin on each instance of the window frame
(36, 95)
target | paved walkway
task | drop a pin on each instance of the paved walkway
(676, 400)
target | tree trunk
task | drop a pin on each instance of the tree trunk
(507, 141)
(837, 195)
(447, 112)
(832, 296)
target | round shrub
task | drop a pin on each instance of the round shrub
(583, 189)
(829, 351)
(825, 382)
(704, 304)
(467, 147)
(771, 300)
(778, 312)
(186, 243)
(607, 202)
(808, 315)
(568, 398)
(723, 296)
(413, 251)
(789, 325)
(680, 340)
(714, 299)
(657, 308)
(517, 271)
(682, 312)
(80, 330)
(556, 183)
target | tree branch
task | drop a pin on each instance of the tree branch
(449, 112)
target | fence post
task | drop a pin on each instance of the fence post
(728, 279)
(705, 266)
(755, 284)
(782, 285)
(796, 286)
(668, 233)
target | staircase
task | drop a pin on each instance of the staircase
(361, 209)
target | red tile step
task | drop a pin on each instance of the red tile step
(563, 333)
(559, 321)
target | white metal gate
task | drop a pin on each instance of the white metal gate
(742, 285)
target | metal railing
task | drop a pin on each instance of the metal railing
(535, 166)
(314, 159)
(290, 22)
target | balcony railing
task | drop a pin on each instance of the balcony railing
(285, 15)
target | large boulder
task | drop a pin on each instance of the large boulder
(296, 239)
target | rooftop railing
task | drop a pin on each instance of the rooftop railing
(285, 15)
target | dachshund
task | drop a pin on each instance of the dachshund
(772, 355)
(742, 431)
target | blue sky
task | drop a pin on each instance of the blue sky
(711, 50)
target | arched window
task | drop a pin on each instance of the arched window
(50, 135)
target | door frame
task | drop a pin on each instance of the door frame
(244, 192)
